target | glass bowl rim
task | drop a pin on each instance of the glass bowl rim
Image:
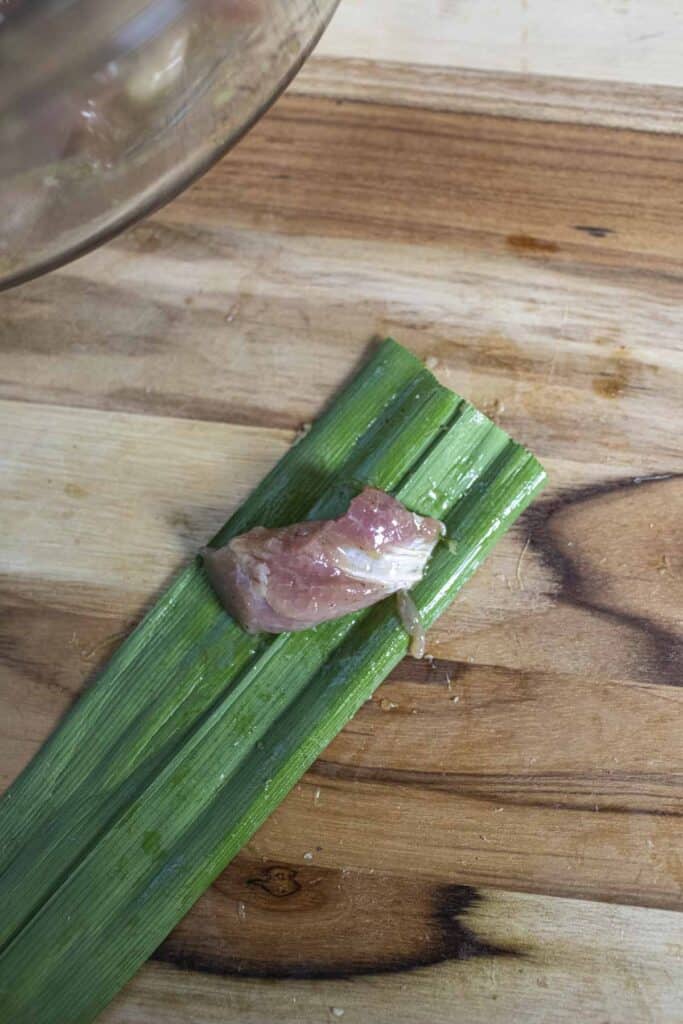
(149, 204)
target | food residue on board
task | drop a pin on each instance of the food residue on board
(387, 705)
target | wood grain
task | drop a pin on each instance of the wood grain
(266, 308)
(637, 41)
(340, 918)
(517, 957)
(315, 166)
(493, 222)
(508, 93)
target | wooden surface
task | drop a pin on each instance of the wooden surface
(497, 834)
(637, 41)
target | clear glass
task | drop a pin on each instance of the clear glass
(108, 108)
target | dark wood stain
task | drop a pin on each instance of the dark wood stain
(593, 230)
(528, 245)
(665, 644)
(543, 789)
(614, 381)
(400, 924)
(610, 387)
(278, 880)
(73, 490)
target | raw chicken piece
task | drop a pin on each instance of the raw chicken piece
(294, 577)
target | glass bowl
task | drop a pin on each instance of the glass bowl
(109, 108)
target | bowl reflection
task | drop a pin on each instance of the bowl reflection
(107, 110)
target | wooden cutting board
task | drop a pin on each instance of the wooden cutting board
(496, 836)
